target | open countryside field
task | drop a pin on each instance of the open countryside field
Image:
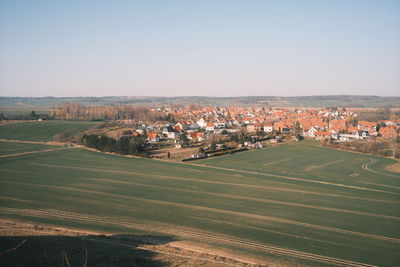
(43, 130)
(297, 203)
(314, 163)
(7, 148)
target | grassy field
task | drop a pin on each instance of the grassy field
(300, 203)
(7, 148)
(43, 130)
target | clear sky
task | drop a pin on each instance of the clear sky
(208, 48)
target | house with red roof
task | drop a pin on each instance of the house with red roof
(321, 135)
(388, 132)
(153, 137)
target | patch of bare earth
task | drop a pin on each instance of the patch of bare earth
(393, 167)
(310, 168)
(177, 154)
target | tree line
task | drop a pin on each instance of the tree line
(27, 116)
(124, 145)
(388, 148)
(68, 111)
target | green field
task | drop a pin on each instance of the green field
(14, 148)
(43, 130)
(300, 203)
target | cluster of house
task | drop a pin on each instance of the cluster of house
(198, 124)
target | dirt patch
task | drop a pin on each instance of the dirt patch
(393, 167)
(322, 165)
(177, 154)
(276, 162)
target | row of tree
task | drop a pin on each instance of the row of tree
(389, 148)
(124, 145)
(67, 111)
(28, 116)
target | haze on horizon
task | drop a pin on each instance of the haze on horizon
(202, 48)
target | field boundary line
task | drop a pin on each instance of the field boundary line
(49, 143)
(32, 152)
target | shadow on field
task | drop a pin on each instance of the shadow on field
(91, 250)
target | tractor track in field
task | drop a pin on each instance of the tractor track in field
(296, 179)
(221, 211)
(251, 198)
(32, 152)
(214, 182)
(382, 185)
(366, 165)
(32, 142)
(260, 228)
(210, 237)
(322, 165)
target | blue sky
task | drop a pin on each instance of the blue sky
(211, 48)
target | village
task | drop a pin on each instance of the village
(205, 132)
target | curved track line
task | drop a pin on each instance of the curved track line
(365, 166)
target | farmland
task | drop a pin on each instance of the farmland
(43, 130)
(7, 148)
(299, 203)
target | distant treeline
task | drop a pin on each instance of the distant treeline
(68, 111)
(383, 148)
(321, 101)
(28, 116)
(124, 145)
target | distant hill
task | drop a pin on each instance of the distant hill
(354, 101)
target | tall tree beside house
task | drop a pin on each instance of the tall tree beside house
(297, 130)
(234, 137)
(213, 146)
(260, 133)
(184, 140)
